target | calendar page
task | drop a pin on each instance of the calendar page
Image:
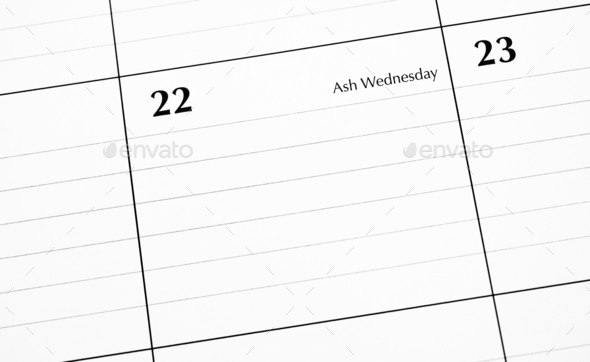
(351, 180)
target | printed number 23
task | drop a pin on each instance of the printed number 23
(488, 46)
(180, 109)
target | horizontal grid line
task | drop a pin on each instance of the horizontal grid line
(383, 312)
(221, 61)
(168, 302)
(100, 243)
(110, 355)
(186, 32)
(296, 49)
(339, 319)
(228, 60)
(254, 22)
(354, 273)
(264, 118)
(518, 15)
(196, 32)
(537, 352)
(58, 86)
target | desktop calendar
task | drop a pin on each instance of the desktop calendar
(353, 180)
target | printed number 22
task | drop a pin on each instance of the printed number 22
(488, 45)
(180, 109)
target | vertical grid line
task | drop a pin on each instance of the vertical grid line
(131, 180)
(471, 181)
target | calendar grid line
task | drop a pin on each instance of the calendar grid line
(517, 15)
(346, 41)
(471, 181)
(351, 317)
(179, 34)
(538, 352)
(123, 309)
(289, 50)
(147, 308)
(526, 290)
(116, 354)
(380, 2)
(487, 360)
(57, 86)
(186, 32)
